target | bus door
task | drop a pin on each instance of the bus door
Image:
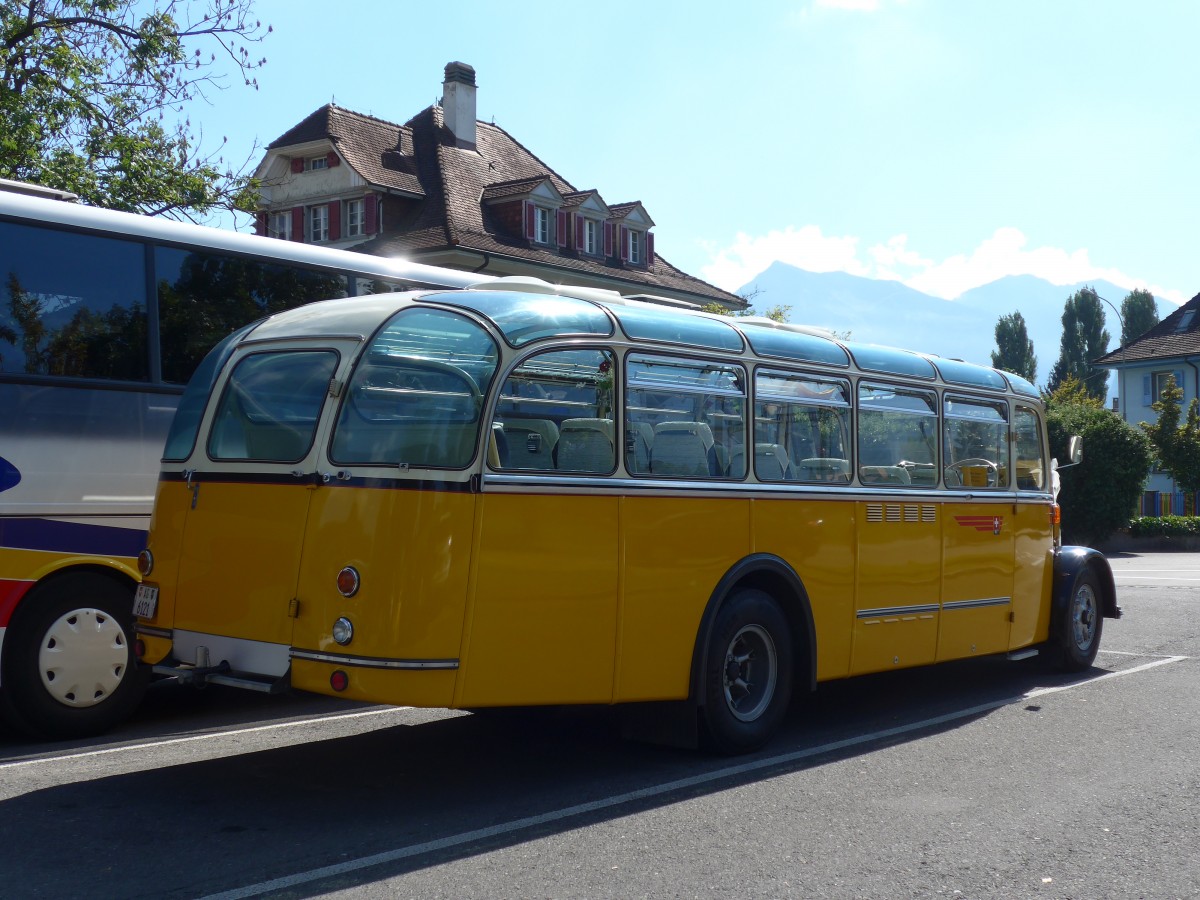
(249, 485)
(898, 569)
(978, 528)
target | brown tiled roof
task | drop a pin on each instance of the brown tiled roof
(453, 216)
(511, 188)
(454, 182)
(372, 147)
(1175, 336)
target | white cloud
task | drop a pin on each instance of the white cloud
(1006, 252)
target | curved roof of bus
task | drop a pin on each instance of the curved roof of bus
(73, 215)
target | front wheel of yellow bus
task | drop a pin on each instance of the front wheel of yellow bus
(69, 666)
(1079, 629)
(747, 673)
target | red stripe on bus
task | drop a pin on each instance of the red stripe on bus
(11, 593)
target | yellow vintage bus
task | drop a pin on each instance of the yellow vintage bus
(522, 494)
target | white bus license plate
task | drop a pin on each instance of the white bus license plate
(145, 601)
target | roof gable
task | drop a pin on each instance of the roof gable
(1177, 335)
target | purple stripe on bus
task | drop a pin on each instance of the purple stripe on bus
(70, 537)
(9, 475)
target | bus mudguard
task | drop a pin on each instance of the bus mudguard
(771, 574)
(1069, 562)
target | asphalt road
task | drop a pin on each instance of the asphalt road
(979, 779)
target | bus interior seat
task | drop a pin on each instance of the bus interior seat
(681, 448)
(883, 475)
(771, 463)
(639, 439)
(587, 445)
(920, 473)
(531, 443)
(824, 468)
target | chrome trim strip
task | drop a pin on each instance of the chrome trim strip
(976, 604)
(886, 611)
(151, 631)
(373, 662)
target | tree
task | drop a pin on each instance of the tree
(1139, 314)
(1014, 349)
(1177, 446)
(777, 313)
(91, 90)
(1100, 494)
(1084, 339)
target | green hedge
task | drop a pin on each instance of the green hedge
(1164, 526)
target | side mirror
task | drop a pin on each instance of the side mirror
(1075, 449)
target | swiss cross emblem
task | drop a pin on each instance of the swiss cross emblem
(996, 522)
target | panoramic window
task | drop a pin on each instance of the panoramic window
(897, 436)
(976, 443)
(270, 406)
(554, 412)
(416, 393)
(685, 418)
(801, 428)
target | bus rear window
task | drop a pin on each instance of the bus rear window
(270, 406)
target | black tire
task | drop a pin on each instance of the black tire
(747, 673)
(1077, 635)
(69, 666)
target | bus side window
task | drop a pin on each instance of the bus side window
(1029, 452)
(897, 435)
(802, 427)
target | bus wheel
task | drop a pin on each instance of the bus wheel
(69, 667)
(1079, 629)
(747, 673)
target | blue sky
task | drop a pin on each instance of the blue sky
(944, 143)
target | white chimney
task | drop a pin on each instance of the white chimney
(458, 103)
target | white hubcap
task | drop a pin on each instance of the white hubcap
(83, 657)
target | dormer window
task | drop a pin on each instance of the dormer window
(542, 218)
(317, 162)
(593, 241)
(636, 252)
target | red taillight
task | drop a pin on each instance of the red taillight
(145, 562)
(347, 581)
(139, 648)
(339, 681)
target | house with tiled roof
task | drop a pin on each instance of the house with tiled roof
(449, 190)
(1171, 349)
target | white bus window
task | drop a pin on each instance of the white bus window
(897, 436)
(976, 443)
(801, 428)
(555, 412)
(688, 414)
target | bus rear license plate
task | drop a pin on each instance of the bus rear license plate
(145, 601)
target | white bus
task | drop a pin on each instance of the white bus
(103, 317)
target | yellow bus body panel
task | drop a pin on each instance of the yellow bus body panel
(412, 550)
(34, 565)
(237, 575)
(1033, 580)
(171, 502)
(432, 688)
(977, 567)
(898, 584)
(542, 622)
(817, 538)
(674, 550)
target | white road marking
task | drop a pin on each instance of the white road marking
(482, 834)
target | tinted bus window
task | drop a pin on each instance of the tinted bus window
(202, 297)
(72, 304)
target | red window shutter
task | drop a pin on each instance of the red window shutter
(297, 223)
(624, 235)
(579, 229)
(297, 164)
(561, 227)
(609, 235)
(529, 224)
(260, 223)
(335, 220)
(371, 213)
(649, 250)
(332, 159)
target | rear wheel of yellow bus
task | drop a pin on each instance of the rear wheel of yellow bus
(747, 673)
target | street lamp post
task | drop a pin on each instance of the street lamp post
(1121, 397)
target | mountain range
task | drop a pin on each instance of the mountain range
(889, 312)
